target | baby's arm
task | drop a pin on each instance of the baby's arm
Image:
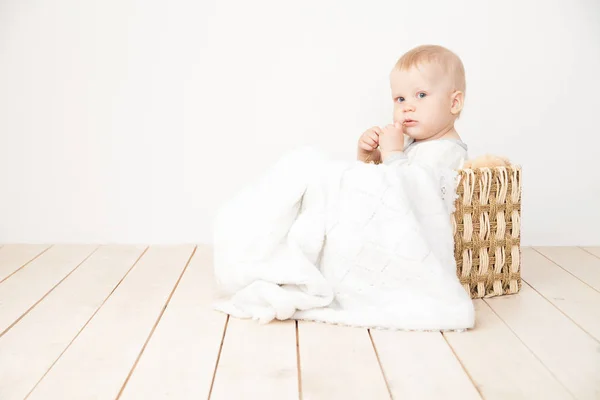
(391, 143)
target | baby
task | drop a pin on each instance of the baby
(335, 242)
(428, 89)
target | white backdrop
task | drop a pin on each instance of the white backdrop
(131, 121)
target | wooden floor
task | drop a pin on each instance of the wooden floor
(125, 322)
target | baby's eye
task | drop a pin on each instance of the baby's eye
(421, 95)
(400, 99)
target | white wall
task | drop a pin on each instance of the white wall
(131, 121)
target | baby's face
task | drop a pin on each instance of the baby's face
(422, 100)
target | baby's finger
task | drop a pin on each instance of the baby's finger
(371, 138)
(374, 136)
(377, 130)
(366, 146)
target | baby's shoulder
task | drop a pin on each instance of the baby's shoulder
(437, 144)
(442, 152)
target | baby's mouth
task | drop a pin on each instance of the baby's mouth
(409, 122)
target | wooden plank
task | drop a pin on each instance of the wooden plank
(565, 349)
(179, 362)
(499, 364)
(593, 250)
(15, 256)
(421, 365)
(580, 263)
(26, 288)
(29, 349)
(569, 294)
(338, 362)
(98, 362)
(257, 361)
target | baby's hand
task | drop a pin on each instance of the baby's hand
(391, 139)
(367, 145)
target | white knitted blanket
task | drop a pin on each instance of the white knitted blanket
(346, 243)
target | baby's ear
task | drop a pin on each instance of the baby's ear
(457, 102)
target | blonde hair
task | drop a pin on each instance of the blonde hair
(450, 62)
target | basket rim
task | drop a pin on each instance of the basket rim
(517, 167)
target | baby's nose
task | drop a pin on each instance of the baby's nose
(409, 107)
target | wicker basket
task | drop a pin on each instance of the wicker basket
(487, 231)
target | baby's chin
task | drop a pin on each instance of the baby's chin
(415, 134)
(420, 137)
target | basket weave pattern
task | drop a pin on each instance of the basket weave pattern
(487, 231)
